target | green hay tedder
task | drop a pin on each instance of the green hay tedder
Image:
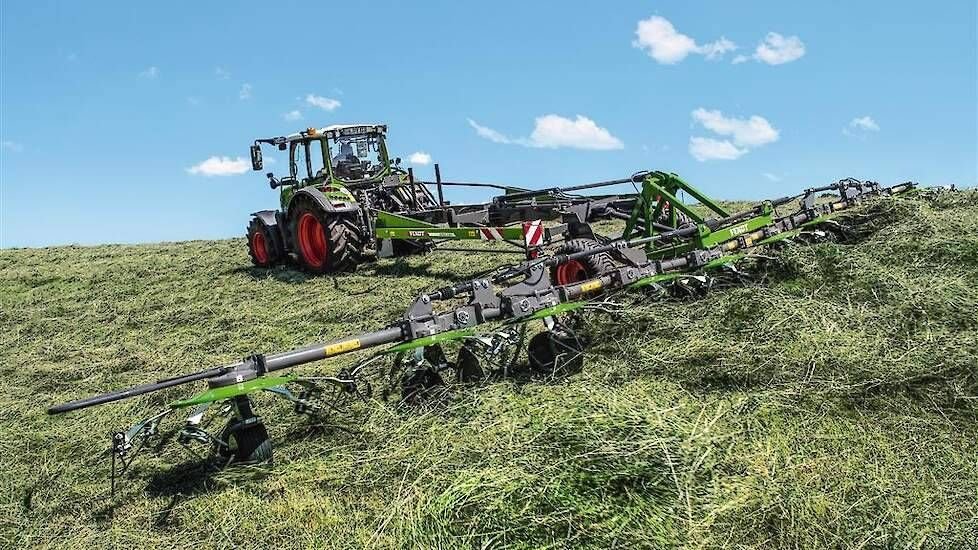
(476, 329)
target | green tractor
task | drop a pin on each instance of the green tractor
(338, 177)
(346, 201)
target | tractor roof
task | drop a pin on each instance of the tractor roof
(332, 131)
(336, 130)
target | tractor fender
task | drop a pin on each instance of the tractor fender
(270, 219)
(316, 195)
(266, 217)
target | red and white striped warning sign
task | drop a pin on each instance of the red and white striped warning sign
(490, 234)
(533, 233)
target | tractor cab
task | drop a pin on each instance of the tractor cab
(338, 154)
(357, 153)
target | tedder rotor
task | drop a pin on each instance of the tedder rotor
(476, 329)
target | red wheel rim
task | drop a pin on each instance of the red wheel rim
(569, 272)
(258, 247)
(312, 240)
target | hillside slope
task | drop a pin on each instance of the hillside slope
(832, 403)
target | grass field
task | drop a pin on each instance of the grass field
(832, 404)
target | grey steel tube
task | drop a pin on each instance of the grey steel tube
(332, 348)
(139, 390)
(441, 194)
(273, 362)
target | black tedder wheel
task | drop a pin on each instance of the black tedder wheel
(681, 218)
(556, 353)
(415, 385)
(325, 242)
(245, 442)
(575, 271)
(264, 245)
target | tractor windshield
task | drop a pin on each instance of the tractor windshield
(357, 157)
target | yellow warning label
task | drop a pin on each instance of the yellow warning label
(340, 347)
(591, 285)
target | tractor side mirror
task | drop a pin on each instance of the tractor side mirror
(256, 163)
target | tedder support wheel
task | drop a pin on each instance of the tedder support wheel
(556, 353)
(244, 440)
(326, 242)
(574, 271)
(263, 244)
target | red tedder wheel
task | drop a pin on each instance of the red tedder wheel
(572, 271)
(263, 244)
(326, 242)
(575, 271)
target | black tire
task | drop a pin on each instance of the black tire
(556, 353)
(586, 268)
(342, 234)
(246, 442)
(681, 218)
(264, 244)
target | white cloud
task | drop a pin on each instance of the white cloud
(11, 146)
(324, 103)
(716, 50)
(771, 177)
(245, 92)
(744, 134)
(861, 127)
(489, 133)
(704, 149)
(740, 59)
(151, 72)
(662, 42)
(293, 115)
(221, 73)
(419, 157)
(865, 123)
(554, 131)
(752, 132)
(777, 49)
(221, 166)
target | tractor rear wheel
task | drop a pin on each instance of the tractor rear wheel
(263, 244)
(575, 271)
(326, 242)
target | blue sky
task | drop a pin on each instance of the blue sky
(108, 106)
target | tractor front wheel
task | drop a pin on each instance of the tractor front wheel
(326, 242)
(263, 244)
